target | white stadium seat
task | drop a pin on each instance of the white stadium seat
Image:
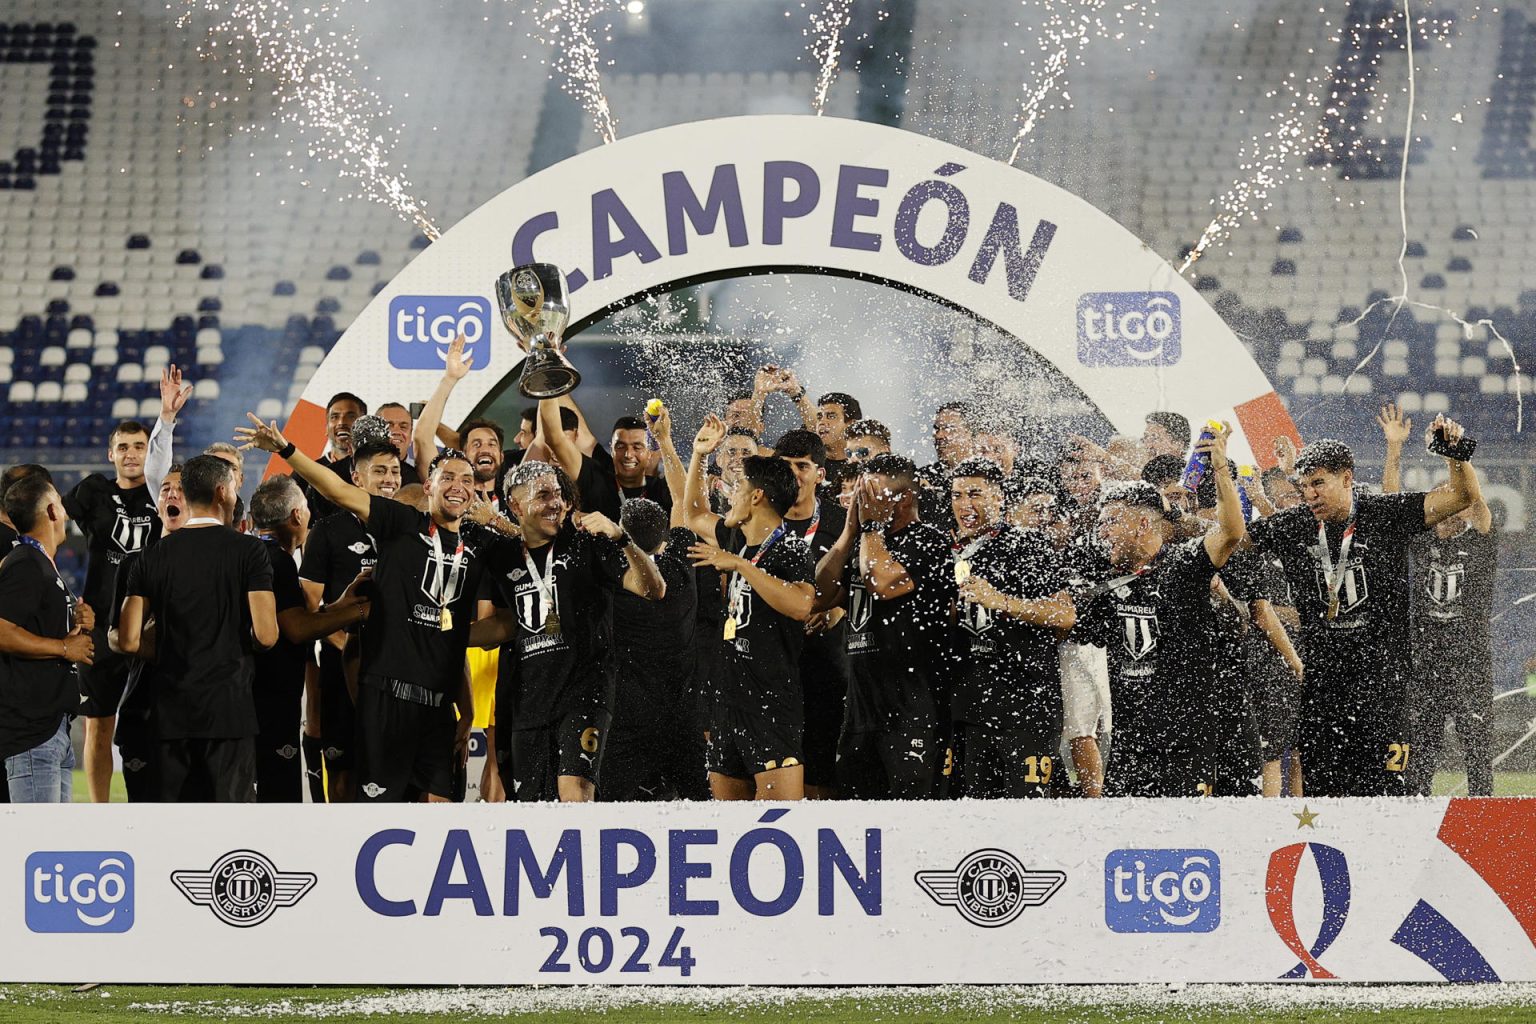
(54, 356)
(130, 373)
(22, 391)
(206, 390)
(1410, 402)
(125, 409)
(50, 391)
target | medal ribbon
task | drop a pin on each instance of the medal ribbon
(545, 584)
(439, 585)
(1333, 571)
(734, 587)
(69, 596)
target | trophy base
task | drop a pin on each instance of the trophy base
(547, 379)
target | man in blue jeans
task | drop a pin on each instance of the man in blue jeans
(45, 632)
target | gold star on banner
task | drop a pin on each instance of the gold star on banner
(1305, 818)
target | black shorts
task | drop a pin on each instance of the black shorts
(1159, 771)
(1279, 704)
(893, 764)
(404, 749)
(221, 771)
(102, 682)
(1353, 744)
(744, 744)
(141, 767)
(649, 760)
(338, 715)
(999, 764)
(532, 761)
(825, 694)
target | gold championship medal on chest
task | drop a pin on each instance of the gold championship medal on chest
(962, 571)
(552, 624)
(445, 620)
(730, 628)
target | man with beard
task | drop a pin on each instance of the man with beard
(1166, 433)
(397, 418)
(338, 550)
(209, 592)
(729, 457)
(1013, 608)
(118, 518)
(1452, 677)
(757, 719)
(834, 412)
(606, 486)
(892, 572)
(1346, 556)
(823, 660)
(137, 738)
(554, 690)
(340, 413)
(655, 749)
(953, 436)
(482, 439)
(744, 411)
(1156, 621)
(415, 707)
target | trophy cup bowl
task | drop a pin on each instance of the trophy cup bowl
(535, 311)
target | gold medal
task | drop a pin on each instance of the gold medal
(1333, 608)
(552, 624)
(445, 620)
(730, 628)
(962, 571)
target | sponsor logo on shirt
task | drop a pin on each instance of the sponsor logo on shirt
(990, 888)
(243, 888)
(421, 327)
(1162, 891)
(373, 790)
(79, 892)
(360, 547)
(1129, 329)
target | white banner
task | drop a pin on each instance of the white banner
(845, 893)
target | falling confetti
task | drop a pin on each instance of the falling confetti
(313, 64)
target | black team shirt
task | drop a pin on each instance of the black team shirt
(195, 583)
(891, 684)
(600, 490)
(823, 661)
(760, 667)
(655, 639)
(403, 637)
(1453, 598)
(280, 669)
(1158, 631)
(339, 547)
(542, 677)
(135, 713)
(1369, 640)
(35, 694)
(116, 523)
(1010, 677)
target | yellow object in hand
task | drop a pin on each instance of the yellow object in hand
(653, 407)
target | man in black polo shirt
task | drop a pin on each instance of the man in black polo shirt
(1452, 665)
(340, 548)
(818, 521)
(758, 715)
(341, 412)
(209, 592)
(117, 516)
(953, 437)
(1013, 610)
(891, 573)
(1346, 556)
(554, 688)
(44, 634)
(425, 593)
(1155, 619)
(835, 411)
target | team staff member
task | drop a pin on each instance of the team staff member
(1453, 576)
(1155, 620)
(823, 660)
(555, 688)
(1346, 556)
(835, 411)
(398, 419)
(45, 633)
(209, 591)
(338, 550)
(891, 572)
(1013, 608)
(118, 518)
(758, 713)
(953, 437)
(138, 742)
(425, 594)
(341, 412)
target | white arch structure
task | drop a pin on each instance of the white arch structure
(719, 198)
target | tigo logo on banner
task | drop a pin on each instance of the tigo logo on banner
(990, 887)
(1162, 891)
(1129, 329)
(79, 892)
(422, 326)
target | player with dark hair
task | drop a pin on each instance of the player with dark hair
(834, 412)
(866, 439)
(1012, 609)
(1166, 433)
(738, 444)
(953, 438)
(554, 689)
(1280, 489)
(823, 660)
(118, 517)
(209, 592)
(758, 715)
(425, 593)
(1166, 473)
(45, 633)
(1156, 622)
(341, 412)
(890, 572)
(483, 442)
(8, 533)
(1346, 556)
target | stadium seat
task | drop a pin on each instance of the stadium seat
(1436, 402)
(1410, 402)
(130, 373)
(125, 409)
(206, 390)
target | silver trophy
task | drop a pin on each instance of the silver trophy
(535, 309)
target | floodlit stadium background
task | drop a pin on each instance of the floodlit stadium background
(157, 206)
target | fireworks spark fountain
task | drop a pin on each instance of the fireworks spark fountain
(568, 26)
(313, 62)
(826, 32)
(1068, 29)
